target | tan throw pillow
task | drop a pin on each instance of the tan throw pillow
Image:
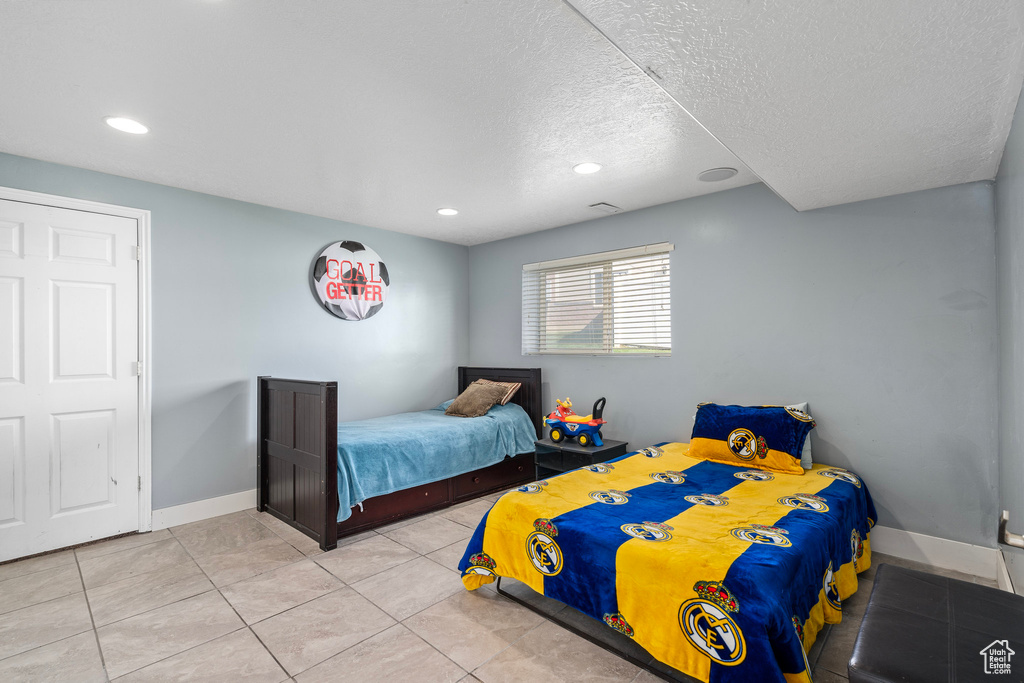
(510, 389)
(476, 400)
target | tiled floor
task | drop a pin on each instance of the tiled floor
(245, 597)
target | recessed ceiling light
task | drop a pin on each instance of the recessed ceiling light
(447, 212)
(587, 167)
(126, 125)
(713, 175)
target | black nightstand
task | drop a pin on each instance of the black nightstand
(555, 458)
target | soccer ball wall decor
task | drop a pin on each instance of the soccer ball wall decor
(350, 280)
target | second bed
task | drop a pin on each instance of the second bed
(722, 572)
(311, 470)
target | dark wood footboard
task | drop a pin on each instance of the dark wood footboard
(297, 459)
(297, 467)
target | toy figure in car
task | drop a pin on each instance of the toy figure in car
(565, 424)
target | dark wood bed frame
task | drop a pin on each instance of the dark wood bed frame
(297, 459)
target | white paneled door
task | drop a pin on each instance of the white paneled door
(69, 386)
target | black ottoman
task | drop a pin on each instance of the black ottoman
(927, 628)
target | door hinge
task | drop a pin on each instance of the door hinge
(138, 368)
(140, 482)
(138, 253)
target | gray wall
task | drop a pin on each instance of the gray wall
(1010, 255)
(881, 314)
(231, 301)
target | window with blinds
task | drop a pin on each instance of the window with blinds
(615, 302)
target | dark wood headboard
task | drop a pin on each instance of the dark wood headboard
(528, 397)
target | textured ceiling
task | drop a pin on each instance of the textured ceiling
(381, 112)
(371, 112)
(833, 102)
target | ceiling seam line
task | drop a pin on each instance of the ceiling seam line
(679, 104)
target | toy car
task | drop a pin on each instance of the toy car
(565, 424)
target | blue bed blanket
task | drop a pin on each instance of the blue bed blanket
(395, 452)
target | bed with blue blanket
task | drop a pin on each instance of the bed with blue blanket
(397, 452)
(724, 572)
(329, 479)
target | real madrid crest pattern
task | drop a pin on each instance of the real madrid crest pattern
(722, 572)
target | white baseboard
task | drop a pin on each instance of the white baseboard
(1003, 574)
(203, 509)
(939, 552)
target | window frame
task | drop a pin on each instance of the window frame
(536, 300)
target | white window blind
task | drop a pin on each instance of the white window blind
(615, 302)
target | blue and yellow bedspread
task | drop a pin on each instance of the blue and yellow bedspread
(724, 573)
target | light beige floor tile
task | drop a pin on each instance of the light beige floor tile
(648, 677)
(836, 653)
(951, 573)
(524, 592)
(275, 591)
(30, 589)
(411, 587)
(240, 563)
(141, 640)
(124, 564)
(307, 635)
(220, 534)
(238, 656)
(204, 525)
(450, 555)
(880, 558)
(492, 497)
(311, 552)
(355, 538)
(430, 534)
(468, 515)
(819, 643)
(367, 557)
(36, 564)
(143, 592)
(604, 634)
(405, 522)
(550, 653)
(854, 605)
(74, 660)
(472, 626)
(43, 624)
(298, 540)
(669, 673)
(394, 655)
(123, 543)
(820, 675)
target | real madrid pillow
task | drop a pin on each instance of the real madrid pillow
(764, 437)
(806, 457)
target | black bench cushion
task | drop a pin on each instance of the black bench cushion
(927, 628)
